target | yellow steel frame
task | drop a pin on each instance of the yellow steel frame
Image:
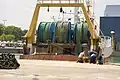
(30, 34)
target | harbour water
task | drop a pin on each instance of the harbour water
(115, 59)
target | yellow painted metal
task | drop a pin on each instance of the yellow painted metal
(92, 45)
(93, 42)
(30, 34)
(60, 4)
(90, 26)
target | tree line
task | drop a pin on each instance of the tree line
(11, 33)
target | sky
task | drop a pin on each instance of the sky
(20, 12)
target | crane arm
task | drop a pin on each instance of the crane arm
(90, 25)
(31, 32)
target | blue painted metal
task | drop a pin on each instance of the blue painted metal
(52, 31)
(107, 24)
(69, 32)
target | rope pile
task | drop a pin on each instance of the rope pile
(8, 61)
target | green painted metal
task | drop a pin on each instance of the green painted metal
(78, 48)
(72, 32)
(63, 32)
(38, 34)
(78, 36)
(78, 33)
(60, 33)
(46, 35)
(41, 30)
(57, 32)
(84, 33)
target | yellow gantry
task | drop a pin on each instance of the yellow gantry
(31, 33)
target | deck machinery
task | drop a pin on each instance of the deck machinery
(52, 45)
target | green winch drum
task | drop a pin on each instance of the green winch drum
(69, 33)
(80, 36)
(52, 31)
(72, 32)
(57, 32)
(40, 31)
(64, 32)
(46, 35)
(78, 33)
(78, 48)
(38, 34)
(84, 33)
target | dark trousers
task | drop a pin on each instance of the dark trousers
(93, 60)
(100, 62)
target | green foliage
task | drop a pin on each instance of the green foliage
(11, 33)
(2, 28)
(10, 37)
(3, 37)
(17, 32)
(25, 31)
